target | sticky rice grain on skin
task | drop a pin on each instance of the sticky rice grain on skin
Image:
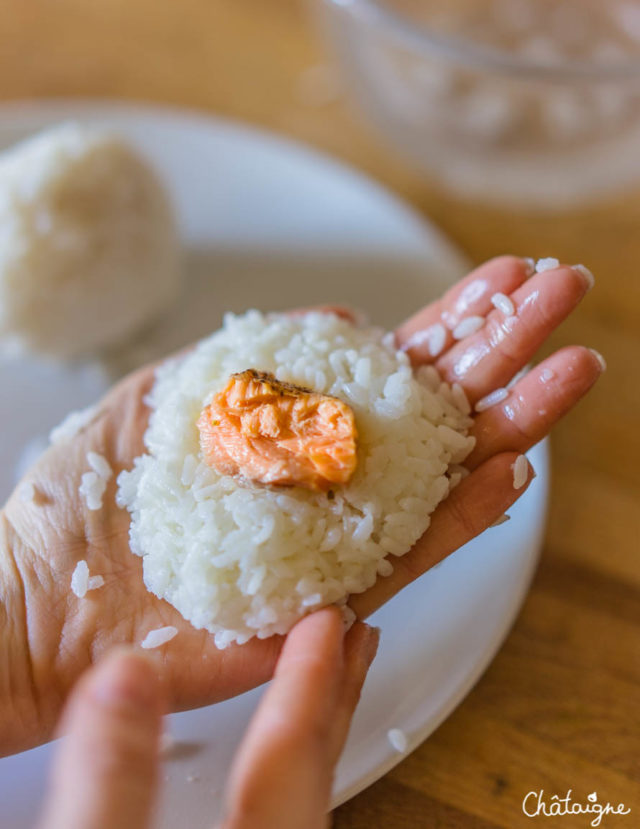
(243, 559)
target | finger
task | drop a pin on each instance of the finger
(491, 357)
(428, 333)
(537, 401)
(286, 756)
(471, 507)
(360, 648)
(104, 772)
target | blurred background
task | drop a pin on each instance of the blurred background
(516, 127)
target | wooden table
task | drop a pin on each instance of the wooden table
(559, 707)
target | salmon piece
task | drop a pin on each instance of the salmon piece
(278, 433)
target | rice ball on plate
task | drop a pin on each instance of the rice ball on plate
(243, 556)
(88, 243)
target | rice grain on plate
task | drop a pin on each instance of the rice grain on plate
(243, 559)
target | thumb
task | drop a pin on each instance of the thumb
(105, 768)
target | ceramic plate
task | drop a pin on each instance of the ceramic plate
(268, 223)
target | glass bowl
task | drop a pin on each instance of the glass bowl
(519, 102)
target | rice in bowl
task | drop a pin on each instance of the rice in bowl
(244, 560)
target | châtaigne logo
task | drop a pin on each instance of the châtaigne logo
(536, 804)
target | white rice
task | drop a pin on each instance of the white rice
(467, 327)
(398, 740)
(503, 303)
(242, 560)
(82, 582)
(89, 248)
(491, 399)
(434, 337)
(80, 579)
(520, 472)
(72, 424)
(92, 489)
(530, 265)
(547, 264)
(460, 398)
(26, 492)
(546, 375)
(158, 637)
(100, 465)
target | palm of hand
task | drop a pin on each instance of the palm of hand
(54, 532)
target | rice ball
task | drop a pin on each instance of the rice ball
(88, 243)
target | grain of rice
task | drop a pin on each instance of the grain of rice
(95, 582)
(530, 265)
(26, 492)
(80, 579)
(92, 488)
(434, 337)
(520, 472)
(547, 264)
(502, 520)
(398, 740)
(491, 399)
(546, 375)
(503, 303)
(460, 399)
(385, 567)
(158, 637)
(100, 465)
(467, 327)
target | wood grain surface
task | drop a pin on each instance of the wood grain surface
(559, 708)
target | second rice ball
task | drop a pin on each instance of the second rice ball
(88, 243)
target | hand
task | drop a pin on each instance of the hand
(105, 771)
(63, 635)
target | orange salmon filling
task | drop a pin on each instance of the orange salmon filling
(278, 433)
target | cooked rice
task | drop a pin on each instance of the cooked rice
(95, 582)
(242, 560)
(503, 303)
(89, 247)
(398, 740)
(100, 465)
(491, 399)
(546, 375)
(80, 579)
(460, 398)
(547, 264)
(520, 472)
(26, 492)
(92, 488)
(530, 265)
(435, 337)
(467, 327)
(158, 637)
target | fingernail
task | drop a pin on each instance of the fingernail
(125, 677)
(530, 265)
(599, 358)
(589, 278)
(370, 644)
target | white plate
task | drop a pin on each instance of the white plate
(271, 224)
